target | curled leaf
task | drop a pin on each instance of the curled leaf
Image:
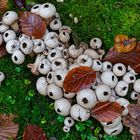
(8, 129)
(79, 78)
(3, 51)
(123, 43)
(32, 25)
(3, 5)
(20, 3)
(128, 58)
(33, 132)
(106, 111)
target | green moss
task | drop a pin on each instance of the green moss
(97, 18)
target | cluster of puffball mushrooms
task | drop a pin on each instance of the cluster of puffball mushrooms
(56, 56)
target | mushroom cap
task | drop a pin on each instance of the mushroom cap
(39, 46)
(134, 95)
(54, 92)
(9, 35)
(62, 106)
(26, 46)
(109, 79)
(9, 17)
(86, 98)
(122, 88)
(103, 92)
(2, 76)
(114, 131)
(66, 129)
(124, 103)
(95, 43)
(69, 95)
(55, 24)
(35, 9)
(44, 66)
(47, 10)
(22, 37)
(112, 124)
(41, 86)
(50, 77)
(64, 37)
(106, 66)
(12, 46)
(97, 65)
(119, 69)
(129, 78)
(136, 85)
(65, 28)
(3, 27)
(92, 53)
(69, 121)
(18, 57)
(79, 113)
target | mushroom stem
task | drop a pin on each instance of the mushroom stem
(15, 26)
(34, 66)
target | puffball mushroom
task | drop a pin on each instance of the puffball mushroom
(2, 77)
(75, 52)
(84, 60)
(3, 27)
(54, 92)
(69, 122)
(79, 113)
(113, 123)
(55, 24)
(66, 129)
(129, 78)
(119, 69)
(1, 39)
(97, 65)
(59, 76)
(109, 79)
(18, 57)
(34, 66)
(59, 63)
(92, 53)
(22, 37)
(96, 43)
(134, 95)
(9, 35)
(122, 88)
(47, 10)
(51, 40)
(9, 17)
(41, 86)
(103, 92)
(136, 85)
(44, 66)
(26, 46)
(35, 9)
(86, 98)
(106, 66)
(65, 53)
(54, 54)
(65, 28)
(38, 46)
(124, 103)
(50, 77)
(62, 106)
(114, 131)
(60, 46)
(69, 95)
(64, 37)
(12, 46)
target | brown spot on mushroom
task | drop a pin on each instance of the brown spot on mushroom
(59, 77)
(58, 110)
(131, 77)
(35, 7)
(85, 101)
(42, 66)
(109, 123)
(46, 6)
(120, 68)
(53, 54)
(15, 58)
(79, 118)
(50, 93)
(114, 131)
(113, 78)
(24, 45)
(57, 63)
(105, 93)
(50, 76)
(6, 34)
(69, 121)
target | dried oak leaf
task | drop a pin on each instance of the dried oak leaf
(8, 129)
(79, 78)
(3, 5)
(3, 51)
(32, 25)
(33, 132)
(123, 43)
(133, 120)
(131, 58)
(20, 3)
(106, 111)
